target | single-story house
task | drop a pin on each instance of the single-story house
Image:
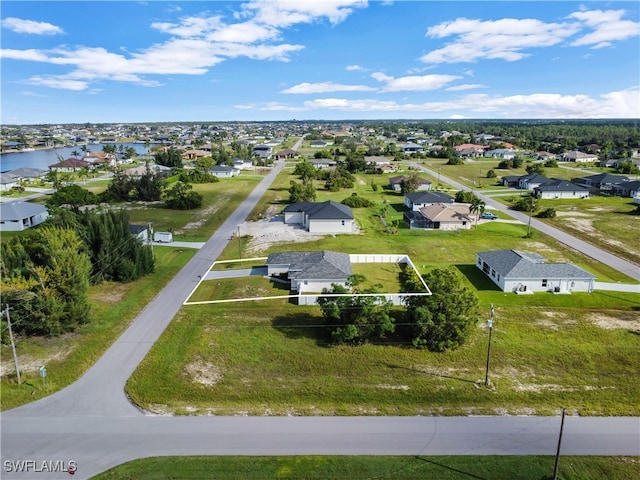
(578, 156)
(525, 272)
(531, 181)
(242, 164)
(28, 173)
(600, 181)
(560, 189)
(322, 163)
(8, 181)
(311, 272)
(627, 189)
(18, 216)
(286, 153)
(320, 217)
(377, 161)
(195, 154)
(140, 232)
(417, 200)
(224, 171)
(543, 155)
(70, 165)
(504, 153)
(469, 150)
(318, 144)
(396, 183)
(440, 216)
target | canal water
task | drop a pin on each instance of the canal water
(43, 158)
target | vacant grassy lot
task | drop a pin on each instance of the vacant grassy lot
(114, 306)
(219, 200)
(271, 358)
(368, 467)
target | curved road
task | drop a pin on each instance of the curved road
(92, 422)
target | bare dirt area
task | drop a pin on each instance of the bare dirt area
(611, 322)
(204, 373)
(272, 231)
(60, 349)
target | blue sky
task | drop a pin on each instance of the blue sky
(259, 60)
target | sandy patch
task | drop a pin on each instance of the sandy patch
(203, 215)
(204, 373)
(572, 214)
(393, 387)
(272, 231)
(609, 322)
(538, 247)
(27, 363)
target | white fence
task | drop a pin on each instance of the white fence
(616, 287)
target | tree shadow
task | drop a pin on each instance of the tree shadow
(478, 279)
(301, 325)
(462, 473)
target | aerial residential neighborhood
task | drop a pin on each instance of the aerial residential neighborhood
(320, 239)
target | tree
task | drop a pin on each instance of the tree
(45, 277)
(353, 320)
(411, 183)
(181, 197)
(355, 201)
(169, 158)
(536, 168)
(299, 192)
(443, 320)
(491, 174)
(477, 207)
(72, 195)
(525, 204)
(464, 196)
(306, 171)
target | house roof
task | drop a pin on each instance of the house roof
(328, 210)
(27, 172)
(535, 178)
(320, 265)
(605, 178)
(429, 197)
(441, 212)
(12, 211)
(8, 178)
(71, 163)
(135, 229)
(514, 264)
(222, 169)
(556, 185)
(403, 178)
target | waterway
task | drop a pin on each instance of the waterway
(42, 158)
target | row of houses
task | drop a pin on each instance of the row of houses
(579, 187)
(511, 270)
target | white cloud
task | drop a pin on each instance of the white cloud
(607, 26)
(466, 86)
(284, 13)
(621, 104)
(505, 39)
(415, 83)
(354, 68)
(198, 43)
(326, 87)
(57, 82)
(29, 26)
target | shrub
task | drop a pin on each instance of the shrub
(355, 201)
(547, 213)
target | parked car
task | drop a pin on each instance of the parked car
(488, 216)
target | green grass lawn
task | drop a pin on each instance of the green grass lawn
(376, 467)
(272, 358)
(114, 306)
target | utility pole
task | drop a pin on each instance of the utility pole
(13, 345)
(239, 244)
(533, 201)
(555, 467)
(490, 325)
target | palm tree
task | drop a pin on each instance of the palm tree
(477, 207)
(75, 153)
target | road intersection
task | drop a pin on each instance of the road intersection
(92, 422)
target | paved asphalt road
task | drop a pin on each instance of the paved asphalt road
(630, 269)
(93, 423)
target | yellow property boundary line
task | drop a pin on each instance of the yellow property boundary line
(281, 297)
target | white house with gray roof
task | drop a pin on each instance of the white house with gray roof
(320, 217)
(525, 272)
(18, 216)
(311, 272)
